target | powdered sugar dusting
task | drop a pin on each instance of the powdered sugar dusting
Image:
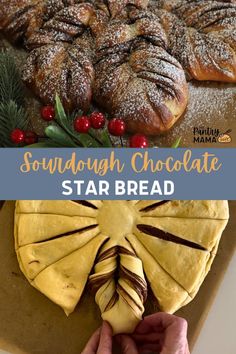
(211, 105)
(124, 56)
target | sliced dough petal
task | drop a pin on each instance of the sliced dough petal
(133, 202)
(36, 257)
(207, 269)
(169, 294)
(32, 228)
(64, 281)
(184, 264)
(142, 204)
(208, 209)
(97, 203)
(200, 231)
(58, 207)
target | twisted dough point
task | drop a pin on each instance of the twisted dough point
(121, 289)
(147, 88)
(63, 69)
(136, 78)
(65, 26)
(20, 19)
(115, 7)
(56, 66)
(202, 36)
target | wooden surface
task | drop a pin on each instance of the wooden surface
(32, 324)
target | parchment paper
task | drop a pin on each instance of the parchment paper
(32, 324)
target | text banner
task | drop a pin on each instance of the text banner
(164, 174)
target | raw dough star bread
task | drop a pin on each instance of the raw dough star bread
(118, 248)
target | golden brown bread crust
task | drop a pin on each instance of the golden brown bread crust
(136, 78)
(146, 87)
(202, 36)
(115, 7)
(61, 59)
(64, 69)
(21, 18)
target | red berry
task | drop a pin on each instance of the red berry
(97, 120)
(17, 136)
(117, 127)
(48, 113)
(138, 141)
(82, 124)
(30, 137)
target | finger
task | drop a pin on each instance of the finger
(158, 320)
(127, 344)
(148, 338)
(92, 345)
(143, 327)
(187, 349)
(149, 348)
(105, 345)
(175, 337)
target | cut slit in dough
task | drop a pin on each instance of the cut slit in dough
(102, 243)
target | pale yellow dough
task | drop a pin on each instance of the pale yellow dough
(62, 245)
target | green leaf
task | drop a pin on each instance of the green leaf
(87, 141)
(66, 123)
(177, 143)
(61, 116)
(59, 136)
(43, 144)
(102, 136)
(105, 138)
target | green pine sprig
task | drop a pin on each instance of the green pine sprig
(11, 117)
(12, 98)
(11, 86)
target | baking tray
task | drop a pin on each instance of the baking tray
(32, 324)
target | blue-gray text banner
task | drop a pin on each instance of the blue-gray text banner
(117, 174)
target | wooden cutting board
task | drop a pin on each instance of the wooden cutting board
(32, 324)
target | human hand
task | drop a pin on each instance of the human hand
(159, 333)
(100, 342)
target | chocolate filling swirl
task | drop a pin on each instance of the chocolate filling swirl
(133, 281)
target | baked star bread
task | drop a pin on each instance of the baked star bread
(131, 58)
(118, 248)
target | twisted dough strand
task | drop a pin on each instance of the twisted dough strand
(57, 66)
(202, 36)
(120, 286)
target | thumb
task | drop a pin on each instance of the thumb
(127, 344)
